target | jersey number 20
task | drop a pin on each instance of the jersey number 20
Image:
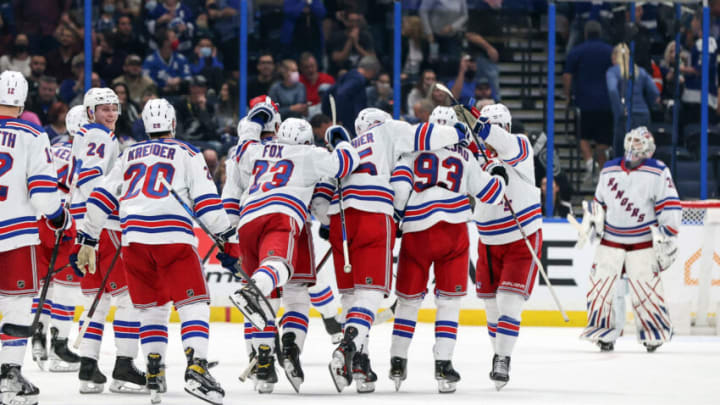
(152, 187)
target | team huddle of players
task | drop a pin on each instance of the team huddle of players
(120, 226)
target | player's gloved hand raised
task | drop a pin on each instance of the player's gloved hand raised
(324, 232)
(336, 134)
(496, 168)
(260, 114)
(482, 128)
(464, 135)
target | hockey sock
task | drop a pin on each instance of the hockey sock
(16, 311)
(90, 346)
(508, 327)
(47, 309)
(362, 314)
(406, 314)
(491, 313)
(270, 275)
(296, 302)
(249, 331)
(126, 326)
(153, 329)
(63, 308)
(346, 300)
(267, 335)
(446, 325)
(322, 299)
(195, 328)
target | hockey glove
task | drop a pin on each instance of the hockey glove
(464, 135)
(482, 128)
(324, 232)
(398, 216)
(224, 236)
(464, 116)
(228, 262)
(496, 168)
(62, 223)
(85, 257)
(260, 114)
(336, 134)
(665, 248)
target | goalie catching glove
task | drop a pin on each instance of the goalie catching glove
(665, 248)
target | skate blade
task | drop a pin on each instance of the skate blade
(14, 399)
(398, 381)
(42, 364)
(362, 386)
(255, 318)
(59, 366)
(499, 385)
(126, 387)
(446, 387)
(193, 388)
(336, 367)
(264, 387)
(290, 374)
(155, 397)
(89, 387)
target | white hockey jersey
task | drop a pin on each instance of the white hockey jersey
(495, 224)
(28, 183)
(94, 151)
(431, 187)
(62, 159)
(271, 177)
(635, 199)
(149, 214)
(379, 147)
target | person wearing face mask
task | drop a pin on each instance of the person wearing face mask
(37, 70)
(172, 15)
(205, 62)
(289, 93)
(380, 95)
(463, 86)
(167, 67)
(18, 59)
(106, 22)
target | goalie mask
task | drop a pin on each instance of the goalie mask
(443, 116)
(368, 117)
(639, 145)
(295, 131)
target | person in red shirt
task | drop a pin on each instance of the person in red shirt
(313, 79)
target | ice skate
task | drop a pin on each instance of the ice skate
(333, 328)
(251, 370)
(199, 382)
(341, 363)
(266, 375)
(250, 303)
(62, 359)
(446, 376)
(650, 347)
(291, 361)
(127, 379)
(92, 380)
(155, 377)
(398, 371)
(500, 371)
(39, 347)
(363, 374)
(606, 346)
(15, 389)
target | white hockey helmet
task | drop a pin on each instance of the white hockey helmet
(498, 114)
(159, 116)
(370, 116)
(99, 96)
(274, 123)
(639, 144)
(295, 131)
(75, 119)
(13, 89)
(442, 115)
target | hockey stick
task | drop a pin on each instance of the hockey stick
(323, 260)
(347, 268)
(87, 316)
(208, 254)
(537, 261)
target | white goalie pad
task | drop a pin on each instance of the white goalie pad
(665, 248)
(607, 265)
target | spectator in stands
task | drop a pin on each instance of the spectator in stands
(195, 117)
(266, 75)
(380, 94)
(204, 62)
(422, 110)
(349, 91)
(226, 114)
(71, 87)
(18, 59)
(320, 123)
(166, 67)
(483, 90)
(134, 78)
(47, 95)
(37, 70)
(224, 17)
(108, 58)
(438, 97)
(130, 114)
(175, 16)
(59, 61)
(347, 46)
(414, 47)
(289, 93)
(421, 90)
(667, 69)
(302, 28)
(693, 77)
(126, 38)
(562, 194)
(443, 24)
(484, 49)
(106, 22)
(644, 95)
(463, 86)
(584, 75)
(315, 82)
(39, 19)
(55, 127)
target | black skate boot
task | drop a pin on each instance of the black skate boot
(341, 363)
(62, 359)
(606, 346)
(127, 379)
(15, 388)
(92, 381)
(252, 306)
(398, 371)
(500, 371)
(446, 376)
(155, 377)
(363, 374)
(199, 382)
(39, 347)
(334, 329)
(291, 361)
(266, 375)
(650, 347)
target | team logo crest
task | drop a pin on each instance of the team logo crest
(458, 288)
(190, 292)
(21, 283)
(113, 285)
(368, 280)
(479, 284)
(69, 277)
(271, 252)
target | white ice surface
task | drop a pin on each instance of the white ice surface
(549, 366)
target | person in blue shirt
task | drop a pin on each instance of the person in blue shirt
(349, 92)
(463, 86)
(166, 67)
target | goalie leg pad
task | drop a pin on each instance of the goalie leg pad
(606, 269)
(646, 291)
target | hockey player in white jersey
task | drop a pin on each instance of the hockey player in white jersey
(368, 203)
(159, 246)
(505, 270)
(431, 198)
(59, 309)
(636, 214)
(28, 188)
(95, 151)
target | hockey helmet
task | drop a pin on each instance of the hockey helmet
(368, 117)
(159, 116)
(13, 89)
(639, 144)
(295, 131)
(442, 115)
(498, 114)
(274, 123)
(75, 119)
(100, 96)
